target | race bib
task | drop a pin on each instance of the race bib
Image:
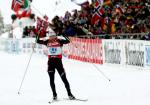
(54, 50)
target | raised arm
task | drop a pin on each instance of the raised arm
(63, 39)
(41, 41)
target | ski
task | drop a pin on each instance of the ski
(52, 101)
(76, 99)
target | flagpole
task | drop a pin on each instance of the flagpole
(37, 10)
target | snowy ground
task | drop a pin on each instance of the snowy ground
(127, 86)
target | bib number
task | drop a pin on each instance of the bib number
(54, 51)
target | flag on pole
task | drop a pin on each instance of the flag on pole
(98, 12)
(41, 27)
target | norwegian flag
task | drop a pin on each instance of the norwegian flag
(98, 12)
(41, 27)
(39, 23)
(16, 5)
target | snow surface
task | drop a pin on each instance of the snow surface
(127, 86)
(4, 35)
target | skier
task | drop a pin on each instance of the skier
(54, 45)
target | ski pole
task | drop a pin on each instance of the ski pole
(26, 70)
(101, 72)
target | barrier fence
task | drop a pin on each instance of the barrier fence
(135, 53)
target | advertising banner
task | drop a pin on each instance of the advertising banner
(87, 50)
(12, 46)
(134, 51)
(147, 54)
(113, 51)
(27, 45)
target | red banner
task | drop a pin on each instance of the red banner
(87, 50)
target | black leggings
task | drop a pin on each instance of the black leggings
(56, 63)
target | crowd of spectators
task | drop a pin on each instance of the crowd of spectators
(29, 31)
(118, 17)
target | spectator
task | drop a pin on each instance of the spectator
(118, 16)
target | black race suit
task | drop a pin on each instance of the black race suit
(55, 62)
